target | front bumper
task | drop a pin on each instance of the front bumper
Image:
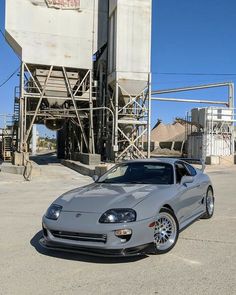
(88, 236)
(126, 252)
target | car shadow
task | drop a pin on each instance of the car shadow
(78, 257)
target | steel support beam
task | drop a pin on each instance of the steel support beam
(75, 106)
(21, 110)
(231, 95)
(231, 105)
(91, 130)
(116, 117)
(38, 106)
(149, 117)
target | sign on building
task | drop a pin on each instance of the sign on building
(63, 4)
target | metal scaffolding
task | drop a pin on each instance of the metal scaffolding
(72, 76)
(212, 133)
(132, 122)
(55, 96)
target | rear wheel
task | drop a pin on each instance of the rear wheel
(210, 200)
(166, 231)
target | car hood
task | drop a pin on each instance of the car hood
(99, 197)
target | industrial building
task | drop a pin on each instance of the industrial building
(213, 134)
(85, 72)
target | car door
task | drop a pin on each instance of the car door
(188, 195)
(199, 186)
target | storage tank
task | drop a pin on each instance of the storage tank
(202, 116)
(53, 32)
(129, 53)
(215, 137)
(129, 45)
(215, 115)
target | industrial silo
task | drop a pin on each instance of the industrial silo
(85, 71)
(129, 74)
(56, 41)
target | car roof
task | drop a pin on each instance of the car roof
(158, 160)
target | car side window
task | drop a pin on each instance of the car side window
(180, 171)
(191, 170)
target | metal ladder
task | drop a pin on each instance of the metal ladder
(15, 122)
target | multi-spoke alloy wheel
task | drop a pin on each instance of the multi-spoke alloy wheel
(210, 200)
(165, 232)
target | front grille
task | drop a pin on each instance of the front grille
(102, 238)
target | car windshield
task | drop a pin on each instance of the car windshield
(139, 172)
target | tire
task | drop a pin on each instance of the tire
(166, 232)
(210, 203)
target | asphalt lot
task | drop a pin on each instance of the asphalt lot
(203, 261)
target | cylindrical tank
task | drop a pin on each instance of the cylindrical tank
(129, 45)
(129, 57)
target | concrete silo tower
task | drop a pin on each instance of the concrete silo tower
(128, 78)
(85, 72)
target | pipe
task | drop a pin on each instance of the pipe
(189, 100)
(190, 88)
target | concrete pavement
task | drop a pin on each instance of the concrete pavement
(202, 262)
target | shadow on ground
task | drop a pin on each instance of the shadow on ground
(77, 257)
(46, 159)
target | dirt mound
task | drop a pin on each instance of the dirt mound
(166, 152)
(169, 132)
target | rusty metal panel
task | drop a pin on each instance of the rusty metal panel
(52, 32)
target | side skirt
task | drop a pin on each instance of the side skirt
(192, 221)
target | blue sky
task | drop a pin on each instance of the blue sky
(197, 37)
(193, 40)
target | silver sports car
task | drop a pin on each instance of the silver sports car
(137, 207)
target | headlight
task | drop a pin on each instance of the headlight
(118, 216)
(53, 212)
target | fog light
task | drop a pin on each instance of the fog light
(123, 232)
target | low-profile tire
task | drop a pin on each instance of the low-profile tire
(210, 203)
(166, 231)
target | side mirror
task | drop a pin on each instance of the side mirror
(95, 178)
(186, 179)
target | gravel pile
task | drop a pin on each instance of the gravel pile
(169, 132)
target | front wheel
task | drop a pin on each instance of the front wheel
(210, 202)
(166, 231)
